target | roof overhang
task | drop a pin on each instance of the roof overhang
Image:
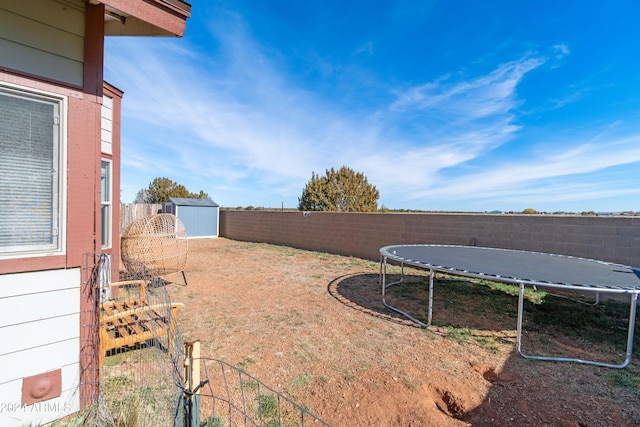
(145, 17)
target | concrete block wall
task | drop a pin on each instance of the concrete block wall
(613, 239)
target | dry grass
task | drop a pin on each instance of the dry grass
(312, 325)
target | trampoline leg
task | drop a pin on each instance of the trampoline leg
(382, 277)
(633, 305)
(520, 315)
(383, 280)
(431, 274)
(630, 333)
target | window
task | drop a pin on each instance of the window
(105, 197)
(32, 165)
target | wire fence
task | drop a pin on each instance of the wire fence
(229, 396)
(142, 383)
(147, 376)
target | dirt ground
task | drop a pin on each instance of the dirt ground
(312, 326)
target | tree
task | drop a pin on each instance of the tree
(343, 191)
(160, 189)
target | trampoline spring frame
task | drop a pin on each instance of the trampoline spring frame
(633, 302)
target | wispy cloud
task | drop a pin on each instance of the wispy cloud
(475, 98)
(561, 50)
(558, 175)
(236, 125)
(366, 48)
(453, 122)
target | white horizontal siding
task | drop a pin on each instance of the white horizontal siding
(107, 125)
(44, 38)
(25, 336)
(39, 332)
(16, 284)
(50, 357)
(41, 306)
(107, 110)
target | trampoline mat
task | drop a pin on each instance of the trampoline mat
(529, 267)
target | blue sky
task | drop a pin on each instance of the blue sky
(443, 105)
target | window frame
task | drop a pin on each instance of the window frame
(59, 190)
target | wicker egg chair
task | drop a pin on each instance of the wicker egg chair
(156, 244)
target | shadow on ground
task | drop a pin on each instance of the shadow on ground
(362, 292)
(480, 316)
(457, 303)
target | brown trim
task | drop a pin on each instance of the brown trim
(169, 17)
(27, 80)
(177, 6)
(42, 261)
(83, 195)
(94, 50)
(112, 90)
(33, 263)
(34, 77)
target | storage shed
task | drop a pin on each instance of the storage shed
(199, 216)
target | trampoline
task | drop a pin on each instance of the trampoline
(522, 268)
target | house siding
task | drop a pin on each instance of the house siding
(44, 38)
(40, 333)
(42, 307)
(106, 134)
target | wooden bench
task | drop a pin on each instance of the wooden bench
(132, 321)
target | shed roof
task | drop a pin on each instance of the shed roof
(182, 201)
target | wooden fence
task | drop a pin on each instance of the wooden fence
(132, 211)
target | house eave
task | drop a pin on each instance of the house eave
(145, 18)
